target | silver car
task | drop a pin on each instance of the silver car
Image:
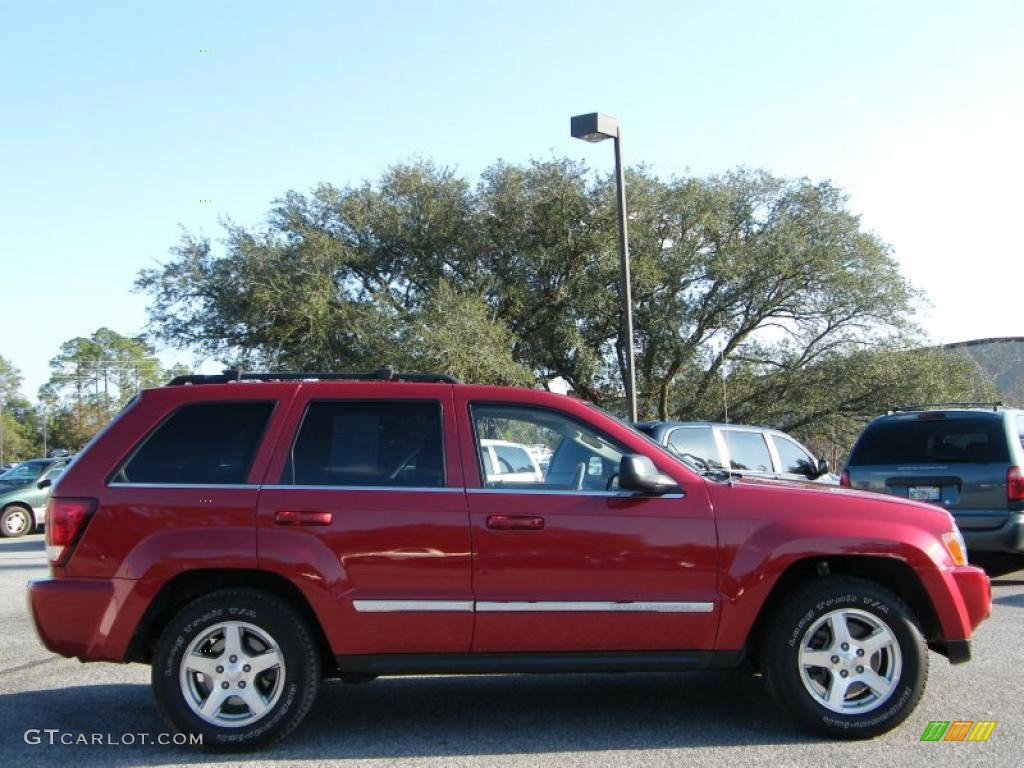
(754, 451)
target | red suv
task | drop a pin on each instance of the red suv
(250, 535)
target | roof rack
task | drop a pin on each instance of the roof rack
(931, 406)
(384, 373)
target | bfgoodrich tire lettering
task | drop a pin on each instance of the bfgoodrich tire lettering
(238, 666)
(846, 657)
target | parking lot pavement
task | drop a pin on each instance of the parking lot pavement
(641, 720)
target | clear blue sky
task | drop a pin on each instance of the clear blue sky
(113, 125)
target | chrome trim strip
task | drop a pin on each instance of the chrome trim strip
(393, 606)
(565, 492)
(595, 606)
(393, 488)
(254, 486)
(538, 606)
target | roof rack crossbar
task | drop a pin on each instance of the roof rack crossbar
(929, 406)
(385, 373)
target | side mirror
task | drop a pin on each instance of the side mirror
(638, 473)
(822, 468)
(44, 483)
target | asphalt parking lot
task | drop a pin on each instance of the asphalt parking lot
(537, 720)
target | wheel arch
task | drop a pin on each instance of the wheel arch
(888, 572)
(190, 585)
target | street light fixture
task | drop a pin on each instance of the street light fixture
(595, 127)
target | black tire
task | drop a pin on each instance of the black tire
(259, 614)
(863, 607)
(11, 515)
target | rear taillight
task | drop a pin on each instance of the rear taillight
(844, 478)
(1014, 484)
(65, 521)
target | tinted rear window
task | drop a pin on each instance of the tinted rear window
(201, 444)
(937, 441)
(378, 443)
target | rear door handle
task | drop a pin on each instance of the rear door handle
(299, 517)
(515, 522)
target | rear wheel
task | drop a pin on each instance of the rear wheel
(846, 657)
(15, 521)
(238, 666)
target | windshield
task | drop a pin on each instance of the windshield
(691, 463)
(25, 472)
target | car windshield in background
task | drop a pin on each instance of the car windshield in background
(692, 463)
(25, 472)
(932, 441)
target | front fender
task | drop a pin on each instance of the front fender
(763, 530)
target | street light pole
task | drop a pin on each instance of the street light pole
(596, 127)
(625, 280)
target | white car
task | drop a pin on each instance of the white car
(507, 462)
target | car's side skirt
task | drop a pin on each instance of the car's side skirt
(498, 663)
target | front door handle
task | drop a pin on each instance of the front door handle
(515, 522)
(298, 517)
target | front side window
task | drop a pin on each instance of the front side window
(56, 472)
(375, 443)
(200, 444)
(793, 458)
(747, 450)
(697, 442)
(573, 457)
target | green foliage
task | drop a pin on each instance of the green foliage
(91, 380)
(770, 282)
(827, 403)
(17, 418)
(458, 333)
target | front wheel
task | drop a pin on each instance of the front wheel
(238, 667)
(846, 657)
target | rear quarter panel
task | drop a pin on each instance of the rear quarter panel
(151, 531)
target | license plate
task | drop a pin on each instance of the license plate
(925, 492)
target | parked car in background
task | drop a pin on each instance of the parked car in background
(24, 490)
(967, 460)
(508, 462)
(755, 451)
(249, 534)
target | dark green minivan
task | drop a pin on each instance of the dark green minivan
(968, 460)
(24, 489)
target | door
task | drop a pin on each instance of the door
(566, 561)
(365, 511)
